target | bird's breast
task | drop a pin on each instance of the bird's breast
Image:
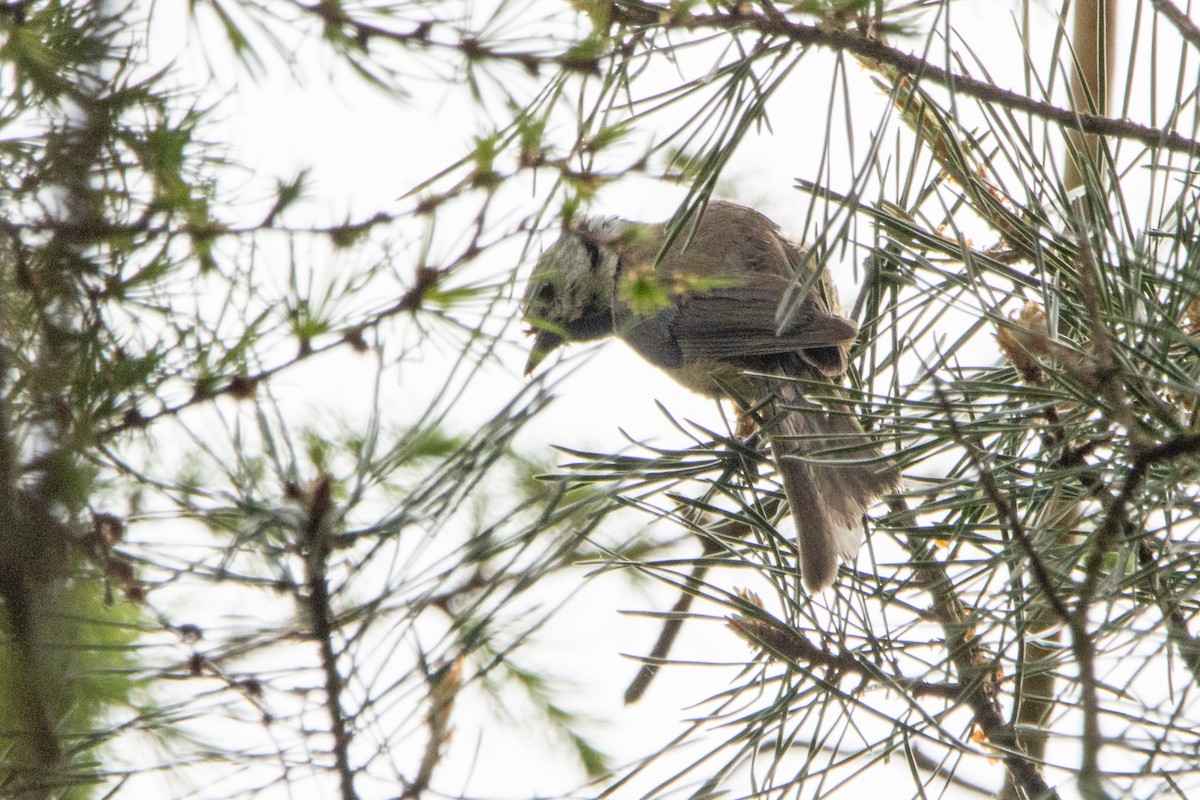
(716, 379)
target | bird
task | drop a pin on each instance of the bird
(730, 308)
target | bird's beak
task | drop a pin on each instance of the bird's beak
(545, 342)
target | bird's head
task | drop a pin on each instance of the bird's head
(569, 296)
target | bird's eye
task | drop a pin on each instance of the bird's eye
(593, 251)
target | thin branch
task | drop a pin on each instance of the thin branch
(731, 529)
(793, 646)
(1007, 512)
(670, 630)
(1117, 516)
(316, 555)
(774, 23)
(1182, 22)
(978, 693)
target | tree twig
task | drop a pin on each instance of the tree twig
(316, 556)
(775, 23)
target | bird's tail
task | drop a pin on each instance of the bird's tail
(820, 453)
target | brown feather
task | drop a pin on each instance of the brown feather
(827, 493)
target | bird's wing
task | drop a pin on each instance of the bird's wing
(744, 321)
